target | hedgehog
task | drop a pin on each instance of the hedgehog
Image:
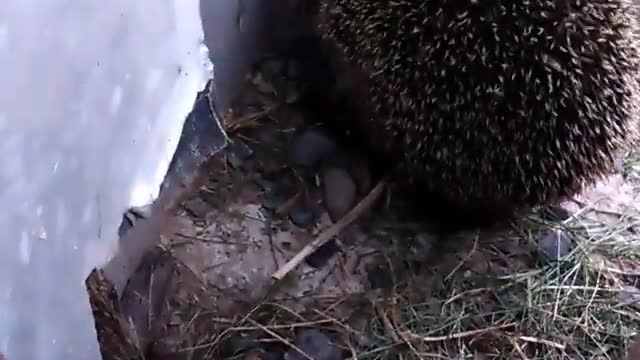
(490, 106)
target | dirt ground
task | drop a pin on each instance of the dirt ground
(559, 284)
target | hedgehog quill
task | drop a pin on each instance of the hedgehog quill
(499, 105)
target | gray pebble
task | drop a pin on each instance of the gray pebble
(266, 185)
(197, 207)
(273, 67)
(555, 245)
(239, 152)
(316, 345)
(272, 199)
(556, 213)
(292, 70)
(301, 216)
(379, 277)
(362, 175)
(339, 192)
(262, 83)
(322, 255)
(311, 147)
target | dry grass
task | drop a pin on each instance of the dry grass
(492, 299)
(584, 306)
(488, 297)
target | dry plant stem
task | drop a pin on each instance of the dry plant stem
(518, 349)
(281, 339)
(542, 341)
(466, 258)
(456, 336)
(332, 231)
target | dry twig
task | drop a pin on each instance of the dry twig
(332, 231)
(456, 336)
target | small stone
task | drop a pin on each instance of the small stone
(273, 67)
(262, 84)
(362, 175)
(293, 70)
(301, 216)
(278, 189)
(321, 256)
(555, 245)
(316, 345)
(263, 355)
(266, 185)
(291, 95)
(339, 192)
(255, 355)
(499, 270)
(556, 213)
(165, 348)
(197, 207)
(239, 152)
(379, 277)
(272, 200)
(310, 148)
(275, 354)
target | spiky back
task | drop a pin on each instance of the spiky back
(521, 101)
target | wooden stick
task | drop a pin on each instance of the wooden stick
(331, 231)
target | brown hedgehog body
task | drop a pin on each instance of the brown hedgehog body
(491, 106)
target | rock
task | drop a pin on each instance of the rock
(273, 67)
(316, 345)
(262, 84)
(197, 207)
(556, 213)
(379, 276)
(265, 185)
(339, 192)
(239, 152)
(277, 192)
(263, 355)
(311, 147)
(255, 355)
(301, 216)
(555, 245)
(321, 256)
(165, 348)
(272, 200)
(362, 175)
